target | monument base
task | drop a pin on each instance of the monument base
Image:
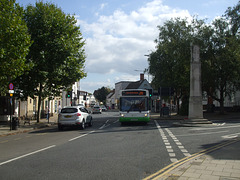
(196, 121)
(193, 122)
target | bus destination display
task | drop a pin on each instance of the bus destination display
(133, 93)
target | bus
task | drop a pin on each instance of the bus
(134, 106)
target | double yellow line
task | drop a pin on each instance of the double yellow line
(174, 165)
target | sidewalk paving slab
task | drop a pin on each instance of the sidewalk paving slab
(190, 170)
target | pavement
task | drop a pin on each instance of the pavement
(28, 127)
(213, 163)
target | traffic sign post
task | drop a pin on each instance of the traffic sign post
(11, 92)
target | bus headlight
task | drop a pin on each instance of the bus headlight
(146, 115)
(122, 115)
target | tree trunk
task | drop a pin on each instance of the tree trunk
(39, 103)
(221, 106)
(178, 105)
(221, 102)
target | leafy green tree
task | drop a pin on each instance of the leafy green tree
(220, 57)
(219, 42)
(14, 43)
(101, 94)
(57, 52)
(170, 63)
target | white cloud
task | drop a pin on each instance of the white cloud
(103, 5)
(118, 43)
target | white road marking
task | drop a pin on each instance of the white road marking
(229, 136)
(116, 121)
(202, 133)
(187, 154)
(167, 144)
(219, 124)
(104, 126)
(199, 129)
(180, 146)
(14, 159)
(184, 150)
(81, 136)
(169, 150)
(173, 160)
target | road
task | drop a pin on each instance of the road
(107, 150)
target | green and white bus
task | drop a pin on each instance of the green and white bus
(134, 105)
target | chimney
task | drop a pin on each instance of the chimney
(141, 77)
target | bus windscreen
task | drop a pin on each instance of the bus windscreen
(133, 104)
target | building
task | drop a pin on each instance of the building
(29, 107)
(110, 99)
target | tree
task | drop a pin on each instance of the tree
(219, 42)
(57, 52)
(170, 63)
(14, 43)
(101, 94)
(220, 52)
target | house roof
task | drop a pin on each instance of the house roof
(110, 94)
(142, 84)
(121, 82)
(134, 85)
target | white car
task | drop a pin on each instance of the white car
(96, 109)
(74, 116)
(103, 108)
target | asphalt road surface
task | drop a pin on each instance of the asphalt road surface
(107, 150)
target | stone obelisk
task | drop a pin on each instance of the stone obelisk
(195, 113)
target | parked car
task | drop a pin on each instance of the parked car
(96, 109)
(81, 105)
(103, 108)
(74, 116)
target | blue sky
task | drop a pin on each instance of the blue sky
(119, 33)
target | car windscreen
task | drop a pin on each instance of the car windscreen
(133, 104)
(69, 110)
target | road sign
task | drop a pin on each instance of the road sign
(11, 91)
(11, 86)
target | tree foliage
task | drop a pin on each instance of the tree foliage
(101, 94)
(57, 52)
(14, 43)
(170, 63)
(220, 59)
(219, 42)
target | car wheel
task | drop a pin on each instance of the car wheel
(83, 124)
(90, 123)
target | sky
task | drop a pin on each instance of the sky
(119, 34)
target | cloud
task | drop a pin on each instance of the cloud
(103, 5)
(117, 43)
